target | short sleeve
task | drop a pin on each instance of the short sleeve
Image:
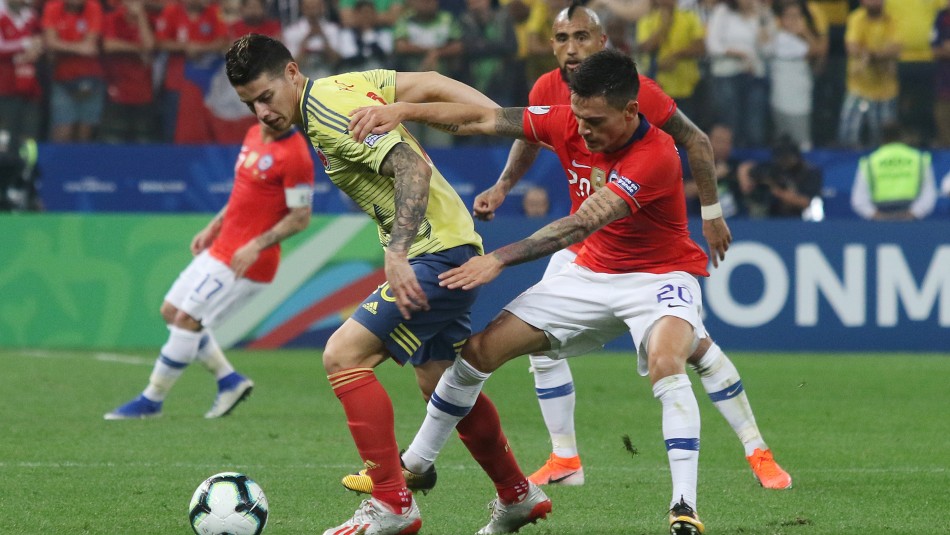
(298, 165)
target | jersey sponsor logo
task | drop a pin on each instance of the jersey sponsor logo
(323, 159)
(372, 139)
(539, 110)
(628, 186)
(265, 163)
(579, 165)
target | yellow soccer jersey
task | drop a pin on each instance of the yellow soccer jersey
(354, 167)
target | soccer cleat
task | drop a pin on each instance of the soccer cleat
(769, 474)
(510, 517)
(138, 408)
(362, 483)
(232, 389)
(684, 520)
(375, 518)
(565, 471)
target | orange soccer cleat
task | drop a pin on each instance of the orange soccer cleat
(767, 471)
(559, 471)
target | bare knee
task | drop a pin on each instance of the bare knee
(168, 312)
(183, 320)
(476, 354)
(701, 349)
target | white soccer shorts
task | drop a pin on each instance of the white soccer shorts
(581, 310)
(207, 291)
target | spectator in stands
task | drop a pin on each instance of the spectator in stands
(782, 187)
(895, 182)
(941, 50)
(21, 46)
(428, 39)
(366, 45)
(915, 69)
(71, 31)
(254, 19)
(830, 17)
(795, 43)
(18, 173)
(535, 202)
(388, 12)
(127, 46)
(193, 35)
(537, 28)
(672, 41)
(873, 48)
(489, 42)
(737, 35)
(314, 40)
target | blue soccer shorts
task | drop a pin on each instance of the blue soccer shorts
(435, 334)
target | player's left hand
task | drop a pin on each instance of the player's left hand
(244, 258)
(479, 270)
(404, 286)
(375, 120)
(718, 237)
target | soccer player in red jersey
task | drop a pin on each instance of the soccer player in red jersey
(236, 256)
(636, 273)
(578, 34)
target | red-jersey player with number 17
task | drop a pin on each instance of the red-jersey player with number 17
(236, 256)
(636, 274)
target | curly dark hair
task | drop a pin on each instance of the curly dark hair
(253, 55)
(610, 74)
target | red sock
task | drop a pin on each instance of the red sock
(369, 413)
(481, 432)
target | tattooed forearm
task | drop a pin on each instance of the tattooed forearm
(295, 221)
(700, 155)
(509, 122)
(411, 174)
(520, 159)
(600, 209)
(450, 128)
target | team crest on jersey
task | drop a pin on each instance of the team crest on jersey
(265, 163)
(323, 159)
(628, 186)
(372, 139)
(539, 110)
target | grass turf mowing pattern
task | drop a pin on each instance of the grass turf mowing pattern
(864, 437)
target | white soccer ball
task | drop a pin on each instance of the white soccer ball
(228, 503)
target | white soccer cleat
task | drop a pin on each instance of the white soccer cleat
(510, 517)
(228, 398)
(375, 518)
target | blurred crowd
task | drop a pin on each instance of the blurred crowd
(826, 73)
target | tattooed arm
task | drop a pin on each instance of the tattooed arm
(598, 210)
(520, 159)
(411, 176)
(458, 119)
(703, 164)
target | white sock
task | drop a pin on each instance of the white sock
(724, 386)
(554, 385)
(211, 355)
(453, 398)
(177, 353)
(681, 434)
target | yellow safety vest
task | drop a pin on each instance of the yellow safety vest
(895, 173)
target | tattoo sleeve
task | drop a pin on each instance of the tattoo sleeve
(600, 209)
(700, 155)
(509, 122)
(411, 174)
(295, 221)
(520, 159)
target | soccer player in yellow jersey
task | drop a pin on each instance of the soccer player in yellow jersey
(424, 229)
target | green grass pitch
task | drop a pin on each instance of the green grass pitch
(865, 438)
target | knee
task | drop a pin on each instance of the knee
(183, 320)
(168, 312)
(474, 353)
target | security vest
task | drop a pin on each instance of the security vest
(895, 173)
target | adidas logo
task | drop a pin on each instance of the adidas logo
(371, 307)
(369, 465)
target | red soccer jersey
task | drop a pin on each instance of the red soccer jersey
(15, 30)
(551, 90)
(647, 174)
(129, 78)
(262, 172)
(73, 27)
(176, 24)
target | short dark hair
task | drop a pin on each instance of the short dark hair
(610, 74)
(253, 55)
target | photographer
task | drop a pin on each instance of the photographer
(782, 187)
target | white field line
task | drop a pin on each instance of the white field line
(119, 358)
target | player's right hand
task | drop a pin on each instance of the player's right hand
(404, 286)
(374, 120)
(487, 202)
(201, 241)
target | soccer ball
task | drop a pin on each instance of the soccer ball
(228, 503)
